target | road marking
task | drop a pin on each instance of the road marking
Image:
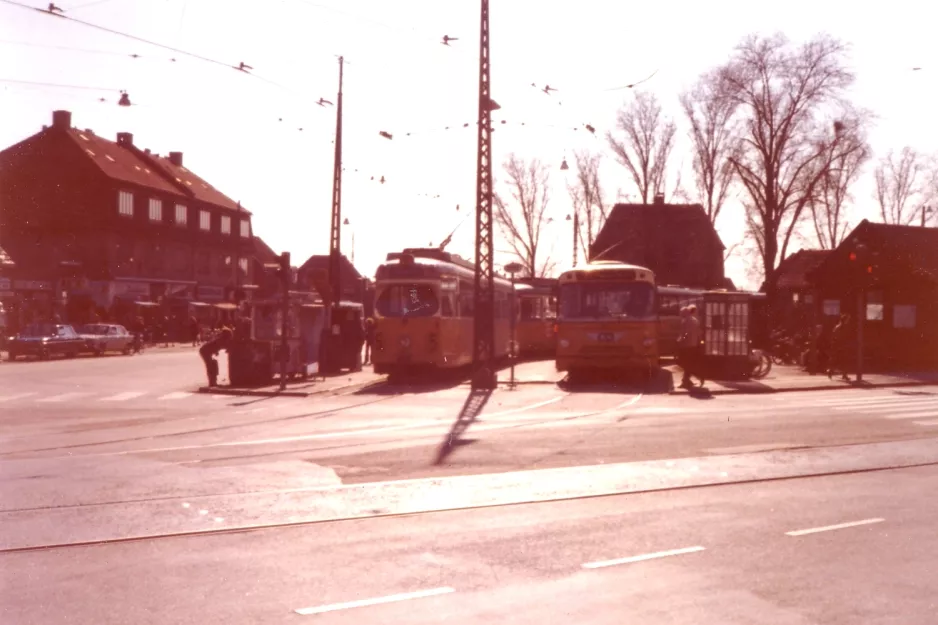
(907, 404)
(272, 441)
(17, 396)
(123, 396)
(404, 596)
(657, 410)
(913, 415)
(176, 395)
(522, 409)
(61, 398)
(641, 558)
(749, 449)
(828, 528)
(930, 422)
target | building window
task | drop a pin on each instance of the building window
(125, 203)
(245, 228)
(903, 316)
(832, 307)
(243, 264)
(795, 297)
(205, 220)
(225, 224)
(156, 210)
(182, 215)
(874, 306)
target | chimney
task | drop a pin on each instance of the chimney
(659, 199)
(176, 158)
(62, 119)
(125, 138)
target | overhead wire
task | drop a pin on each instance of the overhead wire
(242, 67)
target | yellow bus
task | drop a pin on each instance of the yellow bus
(424, 312)
(607, 319)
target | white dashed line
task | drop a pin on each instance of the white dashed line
(61, 398)
(176, 395)
(641, 558)
(420, 594)
(522, 409)
(123, 396)
(17, 396)
(828, 528)
(930, 422)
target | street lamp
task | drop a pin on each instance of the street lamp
(511, 269)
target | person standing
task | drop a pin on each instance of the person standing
(210, 350)
(689, 346)
(369, 338)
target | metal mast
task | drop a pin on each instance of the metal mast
(335, 231)
(483, 350)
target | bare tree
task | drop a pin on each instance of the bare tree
(900, 189)
(529, 186)
(587, 197)
(713, 134)
(829, 204)
(784, 98)
(646, 145)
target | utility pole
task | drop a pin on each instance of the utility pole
(483, 348)
(925, 211)
(335, 230)
(576, 230)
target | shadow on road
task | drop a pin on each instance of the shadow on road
(417, 382)
(660, 382)
(470, 410)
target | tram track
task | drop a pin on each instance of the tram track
(322, 414)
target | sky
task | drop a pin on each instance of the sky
(261, 139)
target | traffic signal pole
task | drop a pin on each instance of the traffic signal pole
(861, 315)
(284, 312)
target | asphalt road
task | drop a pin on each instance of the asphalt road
(737, 555)
(105, 449)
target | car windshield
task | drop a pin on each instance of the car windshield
(407, 300)
(602, 300)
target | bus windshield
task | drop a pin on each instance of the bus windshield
(407, 300)
(603, 300)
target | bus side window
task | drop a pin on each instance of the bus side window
(466, 303)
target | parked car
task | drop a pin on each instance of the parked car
(47, 339)
(106, 337)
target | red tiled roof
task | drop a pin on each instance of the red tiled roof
(793, 271)
(119, 163)
(130, 164)
(203, 191)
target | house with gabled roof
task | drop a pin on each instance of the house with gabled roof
(676, 241)
(887, 276)
(93, 223)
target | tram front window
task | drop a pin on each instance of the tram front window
(407, 300)
(591, 300)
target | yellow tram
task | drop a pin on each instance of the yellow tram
(607, 319)
(424, 312)
(537, 313)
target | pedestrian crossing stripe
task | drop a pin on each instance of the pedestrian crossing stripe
(124, 396)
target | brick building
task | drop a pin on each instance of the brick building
(676, 241)
(97, 225)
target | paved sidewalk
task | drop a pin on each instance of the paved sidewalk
(791, 378)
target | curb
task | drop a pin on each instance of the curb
(825, 387)
(285, 393)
